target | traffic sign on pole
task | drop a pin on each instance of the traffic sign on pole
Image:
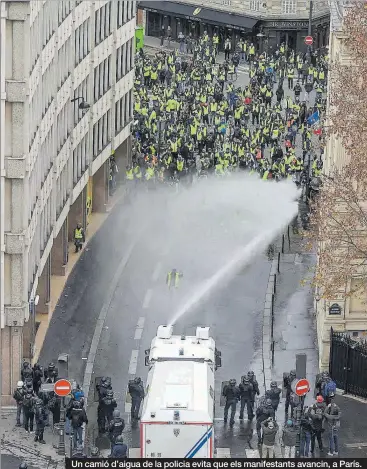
(301, 387)
(308, 40)
(62, 387)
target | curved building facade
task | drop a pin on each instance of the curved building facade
(67, 72)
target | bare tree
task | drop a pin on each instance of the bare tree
(338, 220)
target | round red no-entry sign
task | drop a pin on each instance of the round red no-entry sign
(309, 40)
(62, 387)
(302, 387)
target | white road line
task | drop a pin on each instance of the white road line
(252, 453)
(157, 271)
(133, 362)
(147, 298)
(139, 329)
(127, 408)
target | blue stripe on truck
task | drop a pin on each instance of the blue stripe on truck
(199, 444)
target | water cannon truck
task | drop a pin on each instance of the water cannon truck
(177, 419)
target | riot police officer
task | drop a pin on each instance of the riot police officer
(274, 395)
(255, 386)
(51, 373)
(246, 393)
(40, 417)
(108, 404)
(287, 381)
(232, 394)
(136, 391)
(102, 388)
(116, 426)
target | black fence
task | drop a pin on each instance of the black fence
(348, 363)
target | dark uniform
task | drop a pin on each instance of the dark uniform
(246, 393)
(119, 449)
(116, 427)
(232, 394)
(102, 389)
(288, 380)
(28, 411)
(255, 385)
(136, 391)
(274, 395)
(40, 417)
(51, 373)
(108, 405)
(37, 377)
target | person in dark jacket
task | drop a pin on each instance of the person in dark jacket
(255, 385)
(37, 377)
(287, 382)
(78, 418)
(28, 411)
(26, 371)
(102, 389)
(18, 395)
(232, 394)
(109, 404)
(51, 373)
(119, 449)
(116, 427)
(280, 93)
(316, 413)
(274, 395)
(40, 418)
(136, 391)
(246, 392)
(54, 405)
(306, 431)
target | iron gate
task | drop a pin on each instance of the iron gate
(348, 363)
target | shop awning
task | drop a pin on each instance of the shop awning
(198, 13)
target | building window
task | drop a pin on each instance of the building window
(120, 13)
(289, 7)
(255, 5)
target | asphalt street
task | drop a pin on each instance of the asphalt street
(142, 302)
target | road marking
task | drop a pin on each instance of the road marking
(355, 445)
(223, 453)
(127, 408)
(252, 453)
(147, 298)
(133, 362)
(157, 271)
(139, 329)
(134, 453)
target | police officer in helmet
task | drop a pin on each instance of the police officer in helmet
(232, 394)
(116, 427)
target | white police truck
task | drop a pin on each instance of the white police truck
(177, 419)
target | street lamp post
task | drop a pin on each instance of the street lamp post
(83, 105)
(309, 48)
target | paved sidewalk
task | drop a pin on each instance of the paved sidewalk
(17, 445)
(294, 332)
(59, 282)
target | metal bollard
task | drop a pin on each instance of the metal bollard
(278, 263)
(283, 243)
